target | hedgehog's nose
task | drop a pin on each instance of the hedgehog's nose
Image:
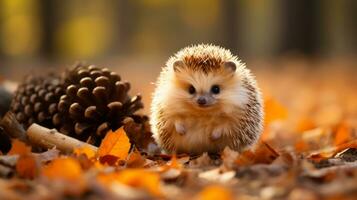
(201, 101)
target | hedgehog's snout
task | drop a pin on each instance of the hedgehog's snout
(204, 100)
(201, 101)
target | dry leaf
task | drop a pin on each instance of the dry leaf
(135, 159)
(342, 134)
(63, 168)
(19, 148)
(137, 178)
(48, 155)
(214, 193)
(263, 154)
(305, 124)
(85, 150)
(114, 145)
(27, 166)
(274, 111)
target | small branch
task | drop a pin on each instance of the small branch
(39, 136)
(46, 138)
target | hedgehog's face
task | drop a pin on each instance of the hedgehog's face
(207, 90)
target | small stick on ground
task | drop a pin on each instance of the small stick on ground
(47, 138)
(39, 136)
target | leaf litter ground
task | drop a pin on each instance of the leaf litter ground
(308, 150)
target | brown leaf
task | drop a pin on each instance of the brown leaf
(135, 160)
(263, 153)
(48, 155)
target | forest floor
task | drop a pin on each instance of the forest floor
(308, 150)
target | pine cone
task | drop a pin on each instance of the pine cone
(36, 100)
(96, 100)
(84, 103)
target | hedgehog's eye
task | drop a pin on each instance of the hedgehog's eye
(191, 89)
(215, 89)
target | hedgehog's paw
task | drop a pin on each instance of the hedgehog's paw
(180, 128)
(216, 134)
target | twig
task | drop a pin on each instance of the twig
(46, 138)
(39, 136)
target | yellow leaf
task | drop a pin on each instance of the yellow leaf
(63, 168)
(137, 178)
(85, 150)
(214, 192)
(115, 144)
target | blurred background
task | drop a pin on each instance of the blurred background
(280, 40)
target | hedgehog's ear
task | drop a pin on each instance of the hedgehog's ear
(230, 65)
(177, 65)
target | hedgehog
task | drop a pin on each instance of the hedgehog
(205, 100)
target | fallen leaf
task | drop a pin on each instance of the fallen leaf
(19, 148)
(137, 178)
(305, 124)
(342, 134)
(135, 159)
(85, 150)
(273, 111)
(301, 146)
(65, 168)
(27, 166)
(262, 154)
(115, 144)
(48, 155)
(214, 192)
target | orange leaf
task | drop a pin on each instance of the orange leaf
(305, 124)
(19, 148)
(246, 158)
(63, 168)
(135, 159)
(27, 167)
(214, 193)
(174, 163)
(274, 111)
(301, 146)
(138, 178)
(341, 147)
(317, 157)
(263, 153)
(342, 134)
(85, 150)
(115, 144)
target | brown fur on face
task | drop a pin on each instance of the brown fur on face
(236, 111)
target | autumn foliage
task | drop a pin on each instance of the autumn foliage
(308, 150)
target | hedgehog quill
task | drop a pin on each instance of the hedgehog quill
(206, 99)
